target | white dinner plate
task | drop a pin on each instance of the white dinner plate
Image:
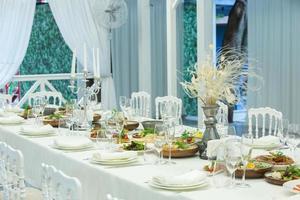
(83, 147)
(295, 197)
(49, 134)
(12, 122)
(181, 188)
(115, 162)
(290, 185)
(266, 147)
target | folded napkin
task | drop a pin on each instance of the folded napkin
(46, 129)
(72, 141)
(11, 119)
(267, 140)
(189, 178)
(114, 155)
(213, 145)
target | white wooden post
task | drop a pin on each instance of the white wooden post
(144, 45)
(206, 35)
(171, 47)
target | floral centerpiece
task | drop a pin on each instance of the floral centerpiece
(218, 81)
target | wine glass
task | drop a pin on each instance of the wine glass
(110, 131)
(246, 155)
(93, 100)
(292, 140)
(284, 129)
(37, 108)
(233, 158)
(122, 102)
(170, 137)
(161, 132)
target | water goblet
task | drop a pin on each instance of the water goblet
(233, 158)
(160, 141)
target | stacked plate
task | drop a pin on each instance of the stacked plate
(11, 120)
(72, 143)
(266, 142)
(114, 158)
(37, 131)
(188, 181)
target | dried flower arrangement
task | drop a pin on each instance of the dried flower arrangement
(221, 81)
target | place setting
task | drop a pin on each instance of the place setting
(187, 181)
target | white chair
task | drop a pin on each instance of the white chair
(269, 116)
(141, 102)
(171, 101)
(222, 116)
(56, 185)
(12, 176)
(53, 98)
(5, 98)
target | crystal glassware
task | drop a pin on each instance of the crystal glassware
(233, 158)
(160, 141)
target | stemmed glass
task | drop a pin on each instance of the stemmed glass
(233, 158)
(161, 132)
(284, 130)
(170, 137)
(125, 104)
(292, 140)
(39, 105)
(246, 155)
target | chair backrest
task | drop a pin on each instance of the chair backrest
(222, 115)
(56, 185)
(5, 98)
(12, 174)
(53, 98)
(141, 102)
(170, 101)
(271, 121)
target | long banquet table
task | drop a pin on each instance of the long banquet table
(128, 183)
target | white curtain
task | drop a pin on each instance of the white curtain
(77, 25)
(125, 53)
(273, 40)
(16, 18)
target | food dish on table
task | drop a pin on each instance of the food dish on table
(131, 125)
(279, 177)
(254, 169)
(53, 120)
(292, 186)
(276, 158)
(134, 146)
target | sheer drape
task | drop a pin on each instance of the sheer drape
(16, 18)
(125, 53)
(78, 26)
(274, 41)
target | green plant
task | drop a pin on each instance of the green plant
(47, 52)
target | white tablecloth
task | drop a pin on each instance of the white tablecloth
(128, 183)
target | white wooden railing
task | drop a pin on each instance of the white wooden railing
(42, 81)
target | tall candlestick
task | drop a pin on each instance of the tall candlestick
(84, 58)
(98, 63)
(73, 64)
(94, 64)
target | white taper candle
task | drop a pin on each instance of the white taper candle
(73, 64)
(98, 63)
(84, 58)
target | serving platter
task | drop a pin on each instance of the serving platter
(181, 153)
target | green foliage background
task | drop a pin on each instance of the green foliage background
(47, 52)
(190, 52)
